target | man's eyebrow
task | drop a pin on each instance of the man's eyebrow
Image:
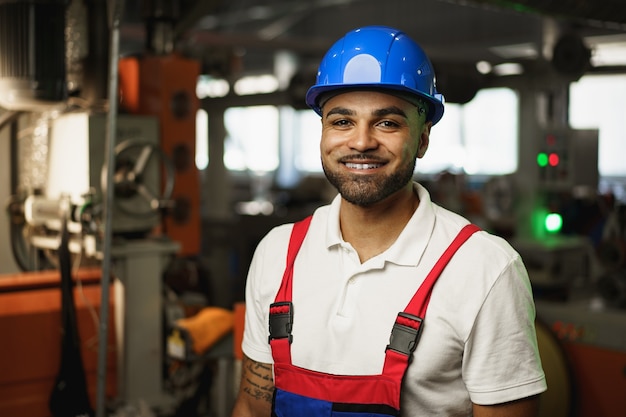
(389, 110)
(378, 113)
(341, 111)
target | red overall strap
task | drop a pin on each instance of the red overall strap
(295, 242)
(408, 326)
(419, 303)
(282, 307)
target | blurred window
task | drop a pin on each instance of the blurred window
(599, 102)
(252, 139)
(479, 137)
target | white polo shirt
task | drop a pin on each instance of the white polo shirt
(478, 342)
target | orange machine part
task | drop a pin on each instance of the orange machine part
(240, 317)
(30, 324)
(600, 380)
(166, 88)
(129, 84)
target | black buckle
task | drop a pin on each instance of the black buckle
(404, 338)
(281, 323)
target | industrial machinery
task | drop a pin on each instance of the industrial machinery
(153, 217)
(79, 137)
(73, 194)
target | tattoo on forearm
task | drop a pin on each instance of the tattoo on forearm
(260, 384)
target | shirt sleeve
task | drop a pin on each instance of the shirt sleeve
(501, 361)
(264, 276)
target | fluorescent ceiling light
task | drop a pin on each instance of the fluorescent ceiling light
(508, 68)
(521, 50)
(256, 85)
(609, 54)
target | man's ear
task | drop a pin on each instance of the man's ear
(424, 139)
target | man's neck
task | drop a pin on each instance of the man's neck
(372, 230)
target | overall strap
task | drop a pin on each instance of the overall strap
(419, 303)
(281, 310)
(408, 326)
(295, 242)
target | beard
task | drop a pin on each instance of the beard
(366, 190)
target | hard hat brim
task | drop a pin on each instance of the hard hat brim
(316, 96)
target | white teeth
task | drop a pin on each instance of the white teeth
(362, 166)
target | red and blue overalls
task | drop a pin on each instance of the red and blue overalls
(301, 392)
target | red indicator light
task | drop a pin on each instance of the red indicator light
(553, 159)
(550, 140)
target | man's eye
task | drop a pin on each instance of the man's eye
(389, 123)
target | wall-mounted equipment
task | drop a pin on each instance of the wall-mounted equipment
(568, 158)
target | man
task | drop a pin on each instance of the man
(463, 344)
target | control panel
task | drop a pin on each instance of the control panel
(568, 158)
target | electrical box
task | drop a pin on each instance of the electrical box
(568, 158)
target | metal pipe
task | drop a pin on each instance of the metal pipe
(109, 166)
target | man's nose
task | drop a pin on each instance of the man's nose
(362, 139)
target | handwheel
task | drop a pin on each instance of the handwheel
(133, 177)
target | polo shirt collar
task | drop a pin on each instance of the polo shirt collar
(333, 232)
(411, 243)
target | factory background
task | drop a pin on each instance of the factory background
(147, 146)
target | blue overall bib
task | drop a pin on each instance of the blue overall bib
(301, 392)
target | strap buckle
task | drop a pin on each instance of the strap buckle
(281, 321)
(405, 334)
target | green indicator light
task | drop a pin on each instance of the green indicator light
(542, 159)
(553, 222)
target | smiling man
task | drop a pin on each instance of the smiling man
(384, 303)
(370, 144)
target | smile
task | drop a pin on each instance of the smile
(352, 165)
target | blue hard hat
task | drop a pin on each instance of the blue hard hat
(377, 57)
